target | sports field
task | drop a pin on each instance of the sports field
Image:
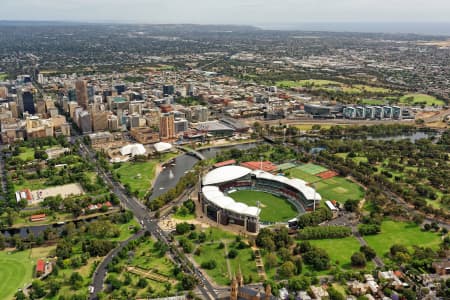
(312, 169)
(273, 208)
(336, 188)
(16, 269)
(403, 233)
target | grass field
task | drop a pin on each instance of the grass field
(273, 208)
(339, 189)
(312, 168)
(339, 250)
(304, 83)
(373, 102)
(336, 188)
(330, 85)
(3, 76)
(297, 173)
(307, 127)
(17, 268)
(418, 98)
(404, 233)
(26, 154)
(138, 175)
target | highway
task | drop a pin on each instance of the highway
(146, 219)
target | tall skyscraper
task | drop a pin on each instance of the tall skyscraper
(82, 93)
(167, 127)
(168, 90)
(28, 103)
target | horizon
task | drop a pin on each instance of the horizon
(382, 27)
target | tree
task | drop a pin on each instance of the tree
(396, 248)
(64, 249)
(351, 205)
(317, 258)
(76, 280)
(369, 253)
(358, 259)
(182, 228)
(287, 269)
(188, 282)
(232, 253)
(299, 283)
(38, 290)
(209, 264)
(335, 294)
(271, 260)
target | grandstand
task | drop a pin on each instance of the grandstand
(224, 210)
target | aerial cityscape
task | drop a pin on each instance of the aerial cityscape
(159, 152)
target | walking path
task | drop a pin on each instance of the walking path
(259, 264)
(226, 257)
(377, 260)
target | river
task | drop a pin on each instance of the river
(171, 174)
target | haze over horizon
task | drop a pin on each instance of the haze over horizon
(245, 12)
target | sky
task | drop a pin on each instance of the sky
(249, 12)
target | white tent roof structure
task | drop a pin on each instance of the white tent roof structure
(133, 150)
(162, 147)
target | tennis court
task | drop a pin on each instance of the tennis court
(312, 169)
(327, 174)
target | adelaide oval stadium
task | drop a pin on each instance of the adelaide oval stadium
(218, 204)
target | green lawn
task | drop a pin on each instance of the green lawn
(339, 189)
(312, 168)
(138, 175)
(209, 252)
(26, 154)
(304, 83)
(17, 269)
(339, 250)
(408, 234)
(374, 102)
(185, 218)
(32, 184)
(336, 188)
(220, 274)
(297, 173)
(3, 76)
(273, 208)
(417, 98)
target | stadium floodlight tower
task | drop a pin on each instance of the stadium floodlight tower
(314, 199)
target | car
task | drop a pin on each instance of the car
(91, 289)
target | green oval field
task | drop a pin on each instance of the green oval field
(16, 270)
(273, 208)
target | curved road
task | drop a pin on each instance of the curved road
(145, 218)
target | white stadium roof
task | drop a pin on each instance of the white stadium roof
(297, 184)
(215, 196)
(133, 149)
(229, 173)
(225, 174)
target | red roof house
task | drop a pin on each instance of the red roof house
(40, 267)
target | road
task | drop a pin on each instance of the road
(146, 219)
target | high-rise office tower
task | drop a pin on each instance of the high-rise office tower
(167, 126)
(168, 90)
(28, 102)
(82, 93)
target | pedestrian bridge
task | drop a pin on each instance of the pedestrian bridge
(192, 152)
